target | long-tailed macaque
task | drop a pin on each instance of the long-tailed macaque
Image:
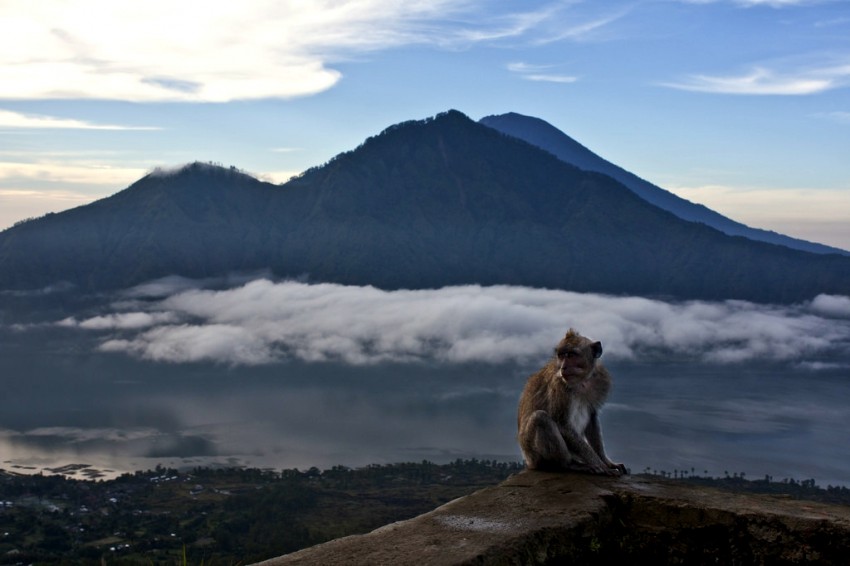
(558, 418)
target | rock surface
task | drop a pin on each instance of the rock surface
(547, 518)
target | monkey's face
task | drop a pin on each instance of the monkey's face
(576, 358)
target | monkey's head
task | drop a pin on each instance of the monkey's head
(576, 355)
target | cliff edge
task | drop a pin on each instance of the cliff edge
(545, 518)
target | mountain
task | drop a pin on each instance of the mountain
(424, 204)
(195, 222)
(546, 136)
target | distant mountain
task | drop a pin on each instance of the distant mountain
(546, 136)
(198, 221)
(424, 204)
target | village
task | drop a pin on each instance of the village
(221, 514)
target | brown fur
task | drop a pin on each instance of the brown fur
(558, 420)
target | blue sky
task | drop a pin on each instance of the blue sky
(743, 105)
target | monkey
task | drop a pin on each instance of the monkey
(558, 416)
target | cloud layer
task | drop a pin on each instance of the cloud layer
(263, 321)
(109, 50)
(119, 51)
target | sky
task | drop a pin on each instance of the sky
(742, 105)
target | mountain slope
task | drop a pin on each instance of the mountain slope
(194, 222)
(545, 136)
(424, 204)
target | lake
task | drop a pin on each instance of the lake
(64, 403)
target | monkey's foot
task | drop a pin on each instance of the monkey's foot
(600, 470)
(620, 467)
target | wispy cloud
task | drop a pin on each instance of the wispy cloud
(552, 22)
(83, 173)
(576, 29)
(839, 116)
(539, 73)
(775, 3)
(755, 3)
(66, 196)
(508, 26)
(115, 50)
(842, 21)
(9, 119)
(764, 81)
(263, 321)
(548, 78)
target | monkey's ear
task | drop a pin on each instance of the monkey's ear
(596, 349)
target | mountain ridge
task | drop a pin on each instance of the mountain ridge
(423, 204)
(540, 133)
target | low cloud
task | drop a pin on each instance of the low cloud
(832, 305)
(161, 288)
(121, 321)
(54, 442)
(263, 321)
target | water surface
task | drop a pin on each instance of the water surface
(66, 403)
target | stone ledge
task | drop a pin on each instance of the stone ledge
(543, 518)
